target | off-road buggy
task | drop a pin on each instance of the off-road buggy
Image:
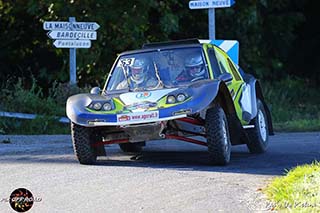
(188, 88)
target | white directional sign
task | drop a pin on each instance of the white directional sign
(63, 25)
(72, 43)
(206, 4)
(77, 35)
(73, 35)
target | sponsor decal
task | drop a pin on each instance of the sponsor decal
(143, 95)
(139, 116)
(122, 118)
(132, 98)
(143, 105)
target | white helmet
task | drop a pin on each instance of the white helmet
(194, 65)
(139, 69)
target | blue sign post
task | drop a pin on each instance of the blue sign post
(211, 5)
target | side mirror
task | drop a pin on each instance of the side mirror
(95, 90)
(226, 77)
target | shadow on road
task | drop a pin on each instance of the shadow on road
(283, 153)
(270, 163)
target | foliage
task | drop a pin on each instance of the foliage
(298, 190)
(267, 31)
(292, 99)
(16, 98)
(47, 125)
(294, 104)
(277, 39)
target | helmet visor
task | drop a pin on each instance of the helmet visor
(195, 70)
(136, 70)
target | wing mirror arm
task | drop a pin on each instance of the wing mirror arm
(226, 77)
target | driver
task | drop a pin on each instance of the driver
(140, 76)
(194, 69)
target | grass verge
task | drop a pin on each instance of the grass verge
(299, 125)
(298, 190)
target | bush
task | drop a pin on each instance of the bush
(19, 98)
(293, 103)
(15, 98)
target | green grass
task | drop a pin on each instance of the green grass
(298, 125)
(298, 190)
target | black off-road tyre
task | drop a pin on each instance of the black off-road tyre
(81, 139)
(218, 138)
(132, 147)
(259, 135)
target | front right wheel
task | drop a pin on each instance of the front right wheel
(218, 137)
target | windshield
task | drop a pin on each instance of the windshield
(158, 69)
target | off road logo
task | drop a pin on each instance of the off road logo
(21, 200)
(143, 95)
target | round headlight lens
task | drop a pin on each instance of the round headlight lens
(107, 106)
(97, 106)
(171, 99)
(181, 97)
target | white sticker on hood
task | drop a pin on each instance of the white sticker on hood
(151, 96)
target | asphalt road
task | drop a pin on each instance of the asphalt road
(169, 176)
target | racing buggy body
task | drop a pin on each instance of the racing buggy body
(173, 90)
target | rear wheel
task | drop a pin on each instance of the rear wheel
(82, 139)
(131, 147)
(259, 135)
(218, 138)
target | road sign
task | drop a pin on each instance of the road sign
(211, 5)
(72, 43)
(64, 25)
(81, 35)
(72, 35)
(206, 4)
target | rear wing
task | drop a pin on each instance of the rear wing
(231, 47)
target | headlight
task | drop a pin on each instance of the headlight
(181, 97)
(107, 107)
(97, 106)
(171, 99)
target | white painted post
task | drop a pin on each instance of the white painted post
(73, 63)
